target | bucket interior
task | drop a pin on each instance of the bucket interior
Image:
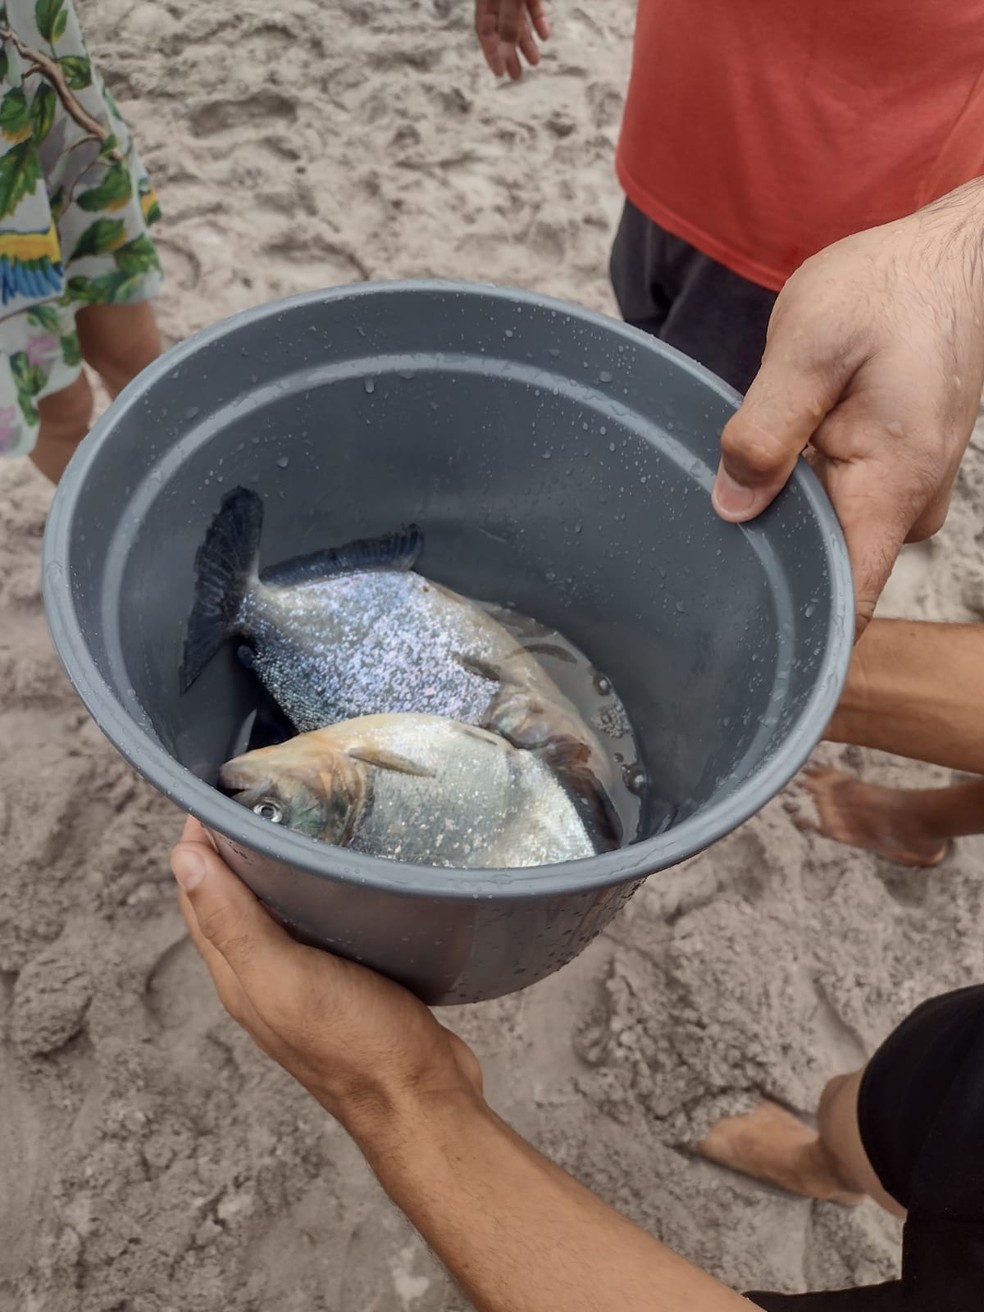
(556, 464)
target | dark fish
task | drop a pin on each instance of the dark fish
(353, 631)
(414, 788)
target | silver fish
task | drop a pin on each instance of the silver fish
(415, 788)
(353, 631)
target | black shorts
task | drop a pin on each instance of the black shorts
(670, 289)
(921, 1117)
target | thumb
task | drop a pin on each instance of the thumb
(762, 441)
(221, 913)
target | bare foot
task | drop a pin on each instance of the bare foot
(869, 816)
(772, 1144)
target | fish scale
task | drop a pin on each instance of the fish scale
(345, 647)
(417, 788)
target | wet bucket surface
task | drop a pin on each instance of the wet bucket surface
(556, 461)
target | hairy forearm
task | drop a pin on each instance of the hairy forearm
(916, 689)
(518, 1233)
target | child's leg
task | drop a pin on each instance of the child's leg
(118, 341)
(65, 419)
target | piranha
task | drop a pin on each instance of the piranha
(417, 788)
(355, 631)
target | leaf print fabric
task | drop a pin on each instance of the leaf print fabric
(75, 208)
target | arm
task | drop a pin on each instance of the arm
(916, 689)
(875, 362)
(517, 1232)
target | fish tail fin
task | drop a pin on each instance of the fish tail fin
(224, 566)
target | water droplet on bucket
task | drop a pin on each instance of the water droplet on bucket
(283, 462)
(604, 376)
(370, 386)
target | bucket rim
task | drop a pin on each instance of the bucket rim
(137, 744)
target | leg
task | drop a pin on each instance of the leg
(773, 1145)
(718, 317)
(65, 419)
(917, 690)
(634, 270)
(912, 826)
(839, 1131)
(874, 1127)
(118, 341)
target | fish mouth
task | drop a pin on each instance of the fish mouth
(237, 779)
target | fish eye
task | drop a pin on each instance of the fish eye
(269, 810)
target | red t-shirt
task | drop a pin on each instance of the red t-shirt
(762, 130)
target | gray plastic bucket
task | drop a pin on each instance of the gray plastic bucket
(555, 460)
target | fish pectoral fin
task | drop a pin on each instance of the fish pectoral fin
(552, 649)
(384, 760)
(476, 665)
(571, 761)
(481, 735)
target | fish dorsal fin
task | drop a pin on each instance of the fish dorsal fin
(396, 551)
(385, 760)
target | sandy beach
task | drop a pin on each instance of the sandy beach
(152, 1160)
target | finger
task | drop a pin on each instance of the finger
(875, 510)
(227, 986)
(539, 19)
(932, 518)
(762, 441)
(874, 548)
(511, 13)
(528, 47)
(486, 30)
(513, 67)
(195, 832)
(228, 917)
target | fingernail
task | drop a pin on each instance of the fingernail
(188, 868)
(730, 498)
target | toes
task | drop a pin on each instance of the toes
(820, 776)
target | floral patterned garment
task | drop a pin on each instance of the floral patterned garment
(75, 205)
